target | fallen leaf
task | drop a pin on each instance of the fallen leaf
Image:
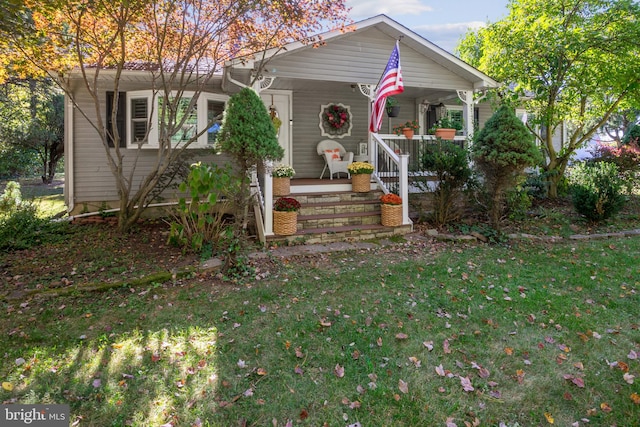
(445, 346)
(248, 392)
(635, 397)
(298, 370)
(440, 370)
(628, 378)
(241, 364)
(304, 414)
(355, 405)
(579, 365)
(578, 381)
(96, 383)
(549, 418)
(623, 366)
(403, 387)
(632, 355)
(428, 345)
(299, 353)
(338, 371)
(379, 341)
(466, 384)
(155, 357)
(415, 361)
(262, 371)
(401, 336)
(605, 407)
(7, 386)
(508, 351)
(450, 422)
(520, 376)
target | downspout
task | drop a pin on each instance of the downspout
(68, 152)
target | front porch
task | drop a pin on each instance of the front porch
(331, 211)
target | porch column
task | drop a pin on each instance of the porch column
(268, 201)
(404, 187)
(466, 96)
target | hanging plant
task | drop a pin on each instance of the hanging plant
(335, 120)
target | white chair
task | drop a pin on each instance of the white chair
(336, 157)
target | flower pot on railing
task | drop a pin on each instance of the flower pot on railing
(445, 133)
(408, 133)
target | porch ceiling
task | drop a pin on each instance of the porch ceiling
(305, 85)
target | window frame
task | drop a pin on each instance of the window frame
(153, 99)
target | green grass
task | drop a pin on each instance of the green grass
(199, 351)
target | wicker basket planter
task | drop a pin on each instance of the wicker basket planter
(281, 186)
(361, 183)
(391, 215)
(285, 223)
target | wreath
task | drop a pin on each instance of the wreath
(336, 117)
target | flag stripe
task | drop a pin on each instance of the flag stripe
(390, 84)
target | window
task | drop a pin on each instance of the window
(119, 116)
(455, 114)
(143, 118)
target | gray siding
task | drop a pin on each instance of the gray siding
(93, 180)
(306, 130)
(361, 58)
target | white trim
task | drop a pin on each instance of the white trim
(152, 140)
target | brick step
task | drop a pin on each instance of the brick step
(337, 208)
(338, 219)
(340, 197)
(342, 234)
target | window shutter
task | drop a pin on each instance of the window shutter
(120, 118)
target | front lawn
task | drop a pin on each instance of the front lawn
(413, 334)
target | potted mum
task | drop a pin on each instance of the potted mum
(281, 179)
(391, 210)
(361, 176)
(407, 129)
(285, 216)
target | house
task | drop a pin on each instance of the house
(299, 82)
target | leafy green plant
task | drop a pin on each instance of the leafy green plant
(502, 150)
(626, 158)
(199, 219)
(10, 199)
(450, 163)
(596, 190)
(24, 228)
(632, 135)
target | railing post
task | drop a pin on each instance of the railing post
(404, 187)
(268, 201)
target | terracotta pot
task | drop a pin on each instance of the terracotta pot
(285, 223)
(408, 133)
(361, 183)
(445, 133)
(281, 186)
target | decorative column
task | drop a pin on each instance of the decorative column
(466, 96)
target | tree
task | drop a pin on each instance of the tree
(502, 150)
(248, 135)
(32, 120)
(573, 62)
(182, 44)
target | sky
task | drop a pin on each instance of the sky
(441, 22)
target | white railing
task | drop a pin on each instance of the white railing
(391, 171)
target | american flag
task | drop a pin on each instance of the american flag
(390, 84)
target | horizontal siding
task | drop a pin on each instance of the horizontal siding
(307, 134)
(362, 58)
(93, 179)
